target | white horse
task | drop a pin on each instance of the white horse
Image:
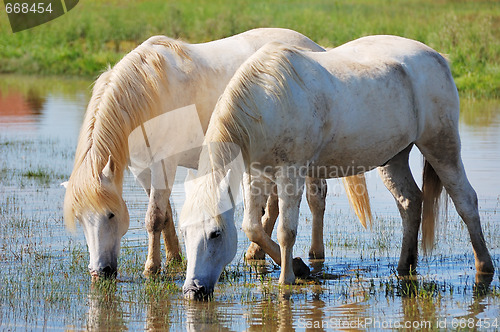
(294, 114)
(158, 76)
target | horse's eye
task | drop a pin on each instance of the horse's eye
(214, 234)
(111, 215)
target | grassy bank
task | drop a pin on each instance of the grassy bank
(97, 33)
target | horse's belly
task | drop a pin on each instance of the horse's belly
(332, 159)
(336, 152)
(356, 161)
(356, 154)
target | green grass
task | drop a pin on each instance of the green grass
(97, 33)
(37, 174)
(42, 176)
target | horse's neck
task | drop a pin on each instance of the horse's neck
(224, 55)
(202, 79)
(217, 61)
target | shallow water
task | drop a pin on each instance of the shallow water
(45, 283)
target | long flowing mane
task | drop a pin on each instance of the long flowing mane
(236, 116)
(235, 122)
(123, 98)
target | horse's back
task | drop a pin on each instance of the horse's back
(261, 36)
(364, 101)
(413, 69)
(242, 45)
(426, 69)
(368, 49)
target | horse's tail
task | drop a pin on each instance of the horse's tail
(357, 193)
(431, 190)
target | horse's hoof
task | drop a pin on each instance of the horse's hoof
(150, 274)
(151, 271)
(300, 269)
(484, 278)
(254, 252)
(258, 254)
(485, 267)
(316, 254)
(407, 272)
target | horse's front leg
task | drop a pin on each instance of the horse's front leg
(316, 190)
(269, 216)
(155, 223)
(153, 262)
(255, 231)
(289, 196)
(252, 225)
(172, 249)
(159, 218)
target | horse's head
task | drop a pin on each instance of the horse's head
(209, 234)
(104, 218)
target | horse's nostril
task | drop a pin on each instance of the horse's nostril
(108, 272)
(198, 293)
(202, 294)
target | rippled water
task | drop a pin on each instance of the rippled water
(43, 268)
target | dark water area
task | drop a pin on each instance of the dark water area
(45, 283)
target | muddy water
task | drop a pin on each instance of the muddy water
(44, 282)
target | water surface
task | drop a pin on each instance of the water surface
(45, 283)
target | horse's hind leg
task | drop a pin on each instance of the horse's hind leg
(398, 179)
(290, 189)
(442, 151)
(316, 195)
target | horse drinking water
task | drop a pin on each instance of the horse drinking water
(294, 114)
(160, 75)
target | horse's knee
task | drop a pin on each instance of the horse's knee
(286, 236)
(316, 193)
(253, 232)
(155, 220)
(316, 205)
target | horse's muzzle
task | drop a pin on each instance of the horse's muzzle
(197, 293)
(107, 272)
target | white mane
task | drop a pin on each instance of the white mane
(268, 70)
(123, 97)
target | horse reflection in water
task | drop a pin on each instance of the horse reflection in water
(359, 106)
(105, 308)
(206, 316)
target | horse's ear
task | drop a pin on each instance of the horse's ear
(189, 182)
(109, 170)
